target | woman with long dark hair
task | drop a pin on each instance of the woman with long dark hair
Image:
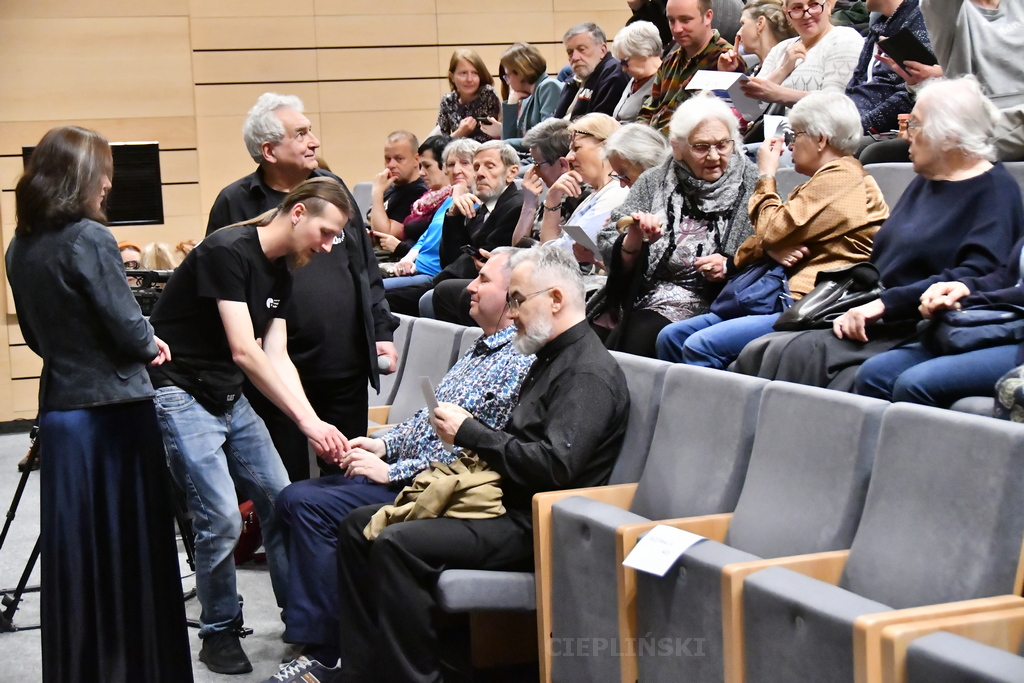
(112, 607)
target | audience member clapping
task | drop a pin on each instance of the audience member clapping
(688, 213)
(821, 57)
(533, 94)
(827, 223)
(958, 219)
(471, 100)
(638, 47)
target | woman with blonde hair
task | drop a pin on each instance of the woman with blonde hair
(472, 98)
(763, 25)
(158, 256)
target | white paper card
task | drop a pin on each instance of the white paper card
(431, 399)
(772, 124)
(729, 81)
(580, 237)
(659, 549)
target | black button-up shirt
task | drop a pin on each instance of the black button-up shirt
(568, 428)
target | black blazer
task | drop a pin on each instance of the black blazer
(77, 312)
(605, 88)
(494, 230)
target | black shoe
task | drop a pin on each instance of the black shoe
(223, 654)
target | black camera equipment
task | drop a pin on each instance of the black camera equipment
(147, 285)
(12, 596)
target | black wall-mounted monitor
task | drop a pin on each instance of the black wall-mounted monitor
(136, 197)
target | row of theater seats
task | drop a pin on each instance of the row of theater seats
(840, 528)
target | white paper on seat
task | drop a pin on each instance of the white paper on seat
(729, 81)
(431, 399)
(580, 237)
(659, 549)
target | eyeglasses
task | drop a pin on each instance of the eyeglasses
(131, 265)
(702, 149)
(790, 136)
(577, 133)
(514, 302)
(914, 126)
(621, 178)
(812, 10)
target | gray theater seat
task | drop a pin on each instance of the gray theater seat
(786, 179)
(389, 383)
(943, 522)
(363, 192)
(696, 466)
(470, 335)
(804, 493)
(947, 658)
(892, 179)
(975, 405)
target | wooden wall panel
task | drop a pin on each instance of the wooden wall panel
(251, 33)
(237, 100)
(371, 7)
(499, 27)
(610, 21)
(378, 63)
(254, 66)
(172, 132)
(63, 9)
(492, 6)
(24, 363)
(76, 69)
(178, 167)
(374, 30)
(591, 6)
(24, 396)
(356, 96)
(250, 8)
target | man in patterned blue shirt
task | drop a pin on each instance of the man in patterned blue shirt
(486, 382)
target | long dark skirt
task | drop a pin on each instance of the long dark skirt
(112, 609)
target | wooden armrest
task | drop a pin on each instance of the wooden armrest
(867, 629)
(375, 428)
(1002, 628)
(825, 567)
(709, 526)
(378, 414)
(620, 495)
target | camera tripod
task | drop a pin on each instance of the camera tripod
(11, 598)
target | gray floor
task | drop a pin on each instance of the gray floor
(21, 649)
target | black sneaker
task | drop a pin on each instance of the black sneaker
(223, 654)
(304, 670)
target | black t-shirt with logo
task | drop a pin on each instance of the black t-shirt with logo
(229, 265)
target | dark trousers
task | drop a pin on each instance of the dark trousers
(309, 513)
(638, 335)
(340, 402)
(386, 587)
(451, 302)
(406, 300)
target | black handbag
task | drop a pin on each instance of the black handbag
(759, 289)
(977, 327)
(835, 292)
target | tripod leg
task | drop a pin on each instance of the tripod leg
(33, 454)
(12, 601)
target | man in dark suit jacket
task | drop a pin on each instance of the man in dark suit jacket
(599, 79)
(484, 219)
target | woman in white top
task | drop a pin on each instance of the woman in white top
(821, 57)
(587, 165)
(638, 48)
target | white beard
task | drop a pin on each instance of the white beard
(529, 341)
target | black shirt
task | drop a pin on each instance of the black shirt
(326, 330)
(568, 427)
(229, 265)
(398, 199)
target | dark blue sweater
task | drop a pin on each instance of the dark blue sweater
(941, 231)
(886, 96)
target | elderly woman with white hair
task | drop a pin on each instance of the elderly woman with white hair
(957, 220)
(638, 47)
(685, 218)
(633, 149)
(827, 223)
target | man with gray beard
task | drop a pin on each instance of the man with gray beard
(565, 432)
(484, 219)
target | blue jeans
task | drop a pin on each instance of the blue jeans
(209, 456)
(709, 341)
(406, 281)
(310, 512)
(912, 373)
